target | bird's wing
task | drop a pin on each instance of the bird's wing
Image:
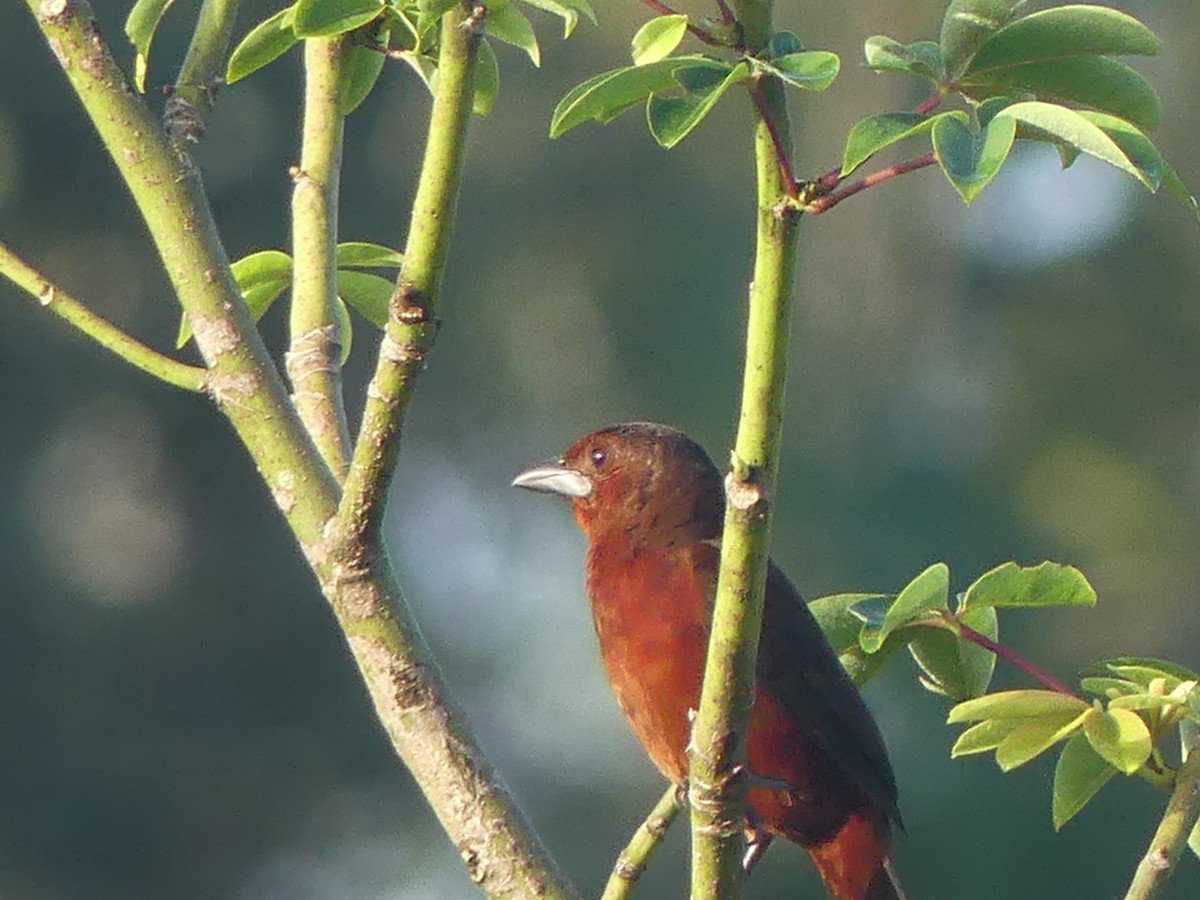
(799, 668)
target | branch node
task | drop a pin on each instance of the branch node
(476, 20)
(182, 120)
(53, 10)
(747, 494)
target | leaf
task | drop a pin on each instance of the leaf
(869, 136)
(424, 66)
(1096, 82)
(971, 159)
(1032, 738)
(926, 593)
(983, 736)
(783, 43)
(1144, 669)
(809, 70)
(1120, 736)
(657, 39)
(325, 18)
(1144, 701)
(1108, 687)
(568, 11)
(671, 119)
(966, 26)
(1017, 704)
(960, 669)
(507, 23)
(840, 622)
(359, 73)
(365, 255)
(265, 43)
(430, 12)
(1079, 774)
(487, 79)
(1138, 148)
(139, 28)
(605, 96)
(1047, 584)
(345, 329)
(1064, 31)
(1173, 183)
(1068, 126)
(923, 58)
(1194, 840)
(367, 294)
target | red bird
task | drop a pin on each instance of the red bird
(651, 504)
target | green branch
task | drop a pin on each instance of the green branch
(717, 775)
(412, 322)
(1171, 837)
(502, 854)
(100, 330)
(633, 859)
(203, 68)
(313, 360)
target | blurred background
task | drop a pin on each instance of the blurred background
(1018, 380)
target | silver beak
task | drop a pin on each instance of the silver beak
(555, 478)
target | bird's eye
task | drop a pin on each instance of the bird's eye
(599, 457)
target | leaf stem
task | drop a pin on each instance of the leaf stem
(967, 633)
(100, 330)
(313, 359)
(929, 104)
(633, 859)
(203, 68)
(826, 202)
(1171, 836)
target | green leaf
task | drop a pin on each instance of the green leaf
(424, 66)
(1047, 584)
(261, 277)
(1145, 701)
(869, 136)
(325, 18)
(929, 592)
(1144, 669)
(971, 159)
(959, 669)
(1194, 840)
(605, 96)
(367, 294)
(139, 28)
(1079, 774)
(1120, 736)
(1064, 31)
(487, 79)
(809, 70)
(1032, 738)
(783, 43)
(657, 39)
(345, 329)
(359, 73)
(1059, 123)
(365, 255)
(1138, 148)
(1108, 687)
(265, 43)
(1017, 704)
(965, 27)
(1173, 183)
(568, 11)
(507, 23)
(983, 736)
(671, 119)
(923, 58)
(1095, 82)
(840, 622)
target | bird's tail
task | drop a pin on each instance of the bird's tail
(855, 863)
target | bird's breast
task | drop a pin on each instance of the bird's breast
(651, 608)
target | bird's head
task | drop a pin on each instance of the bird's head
(650, 484)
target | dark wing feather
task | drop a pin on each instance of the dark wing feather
(799, 668)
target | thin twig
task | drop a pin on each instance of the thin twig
(829, 201)
(967, 633)
(633, 859)
(1171, 836)
(103, 332)
(929, 104)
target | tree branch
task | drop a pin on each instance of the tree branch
(103, 332)
(1171, 836)
(633, 859)
(313, 360)
(829, 201)
(412, 322)
(203, 67)
(717, 775)
(1014, 659)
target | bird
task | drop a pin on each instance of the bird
(651, 504)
